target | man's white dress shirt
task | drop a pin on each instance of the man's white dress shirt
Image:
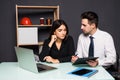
(103, 47)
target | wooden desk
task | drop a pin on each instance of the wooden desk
(11, 71)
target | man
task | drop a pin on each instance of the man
(103, 42)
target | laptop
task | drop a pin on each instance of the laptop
(26, 60)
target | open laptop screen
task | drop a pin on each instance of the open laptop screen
(27, 61)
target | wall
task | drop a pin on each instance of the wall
(70, 10)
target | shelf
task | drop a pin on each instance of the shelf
(35, 7)
(35, 34)
(34, 25)
(39, 44)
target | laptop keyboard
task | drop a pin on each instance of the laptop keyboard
(42, 67)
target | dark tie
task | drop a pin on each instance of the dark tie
(91, 47)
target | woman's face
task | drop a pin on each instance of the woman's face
(61, 32)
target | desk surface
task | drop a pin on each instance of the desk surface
(11, 71)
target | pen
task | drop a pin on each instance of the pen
(75, 54)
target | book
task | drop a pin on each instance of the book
(83, 72)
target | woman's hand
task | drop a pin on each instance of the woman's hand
(53, 39)
(50, 59)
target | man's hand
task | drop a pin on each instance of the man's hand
(74, 58)
(92, 63)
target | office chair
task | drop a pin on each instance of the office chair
(114, 70)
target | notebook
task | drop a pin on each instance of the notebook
(83, 60)
(26, 60)
(83, 72)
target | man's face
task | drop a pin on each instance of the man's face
(86, 27)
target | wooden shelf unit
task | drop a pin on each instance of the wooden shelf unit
(23, 30)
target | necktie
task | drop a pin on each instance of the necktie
(91, 47)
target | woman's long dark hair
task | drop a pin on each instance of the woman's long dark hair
(56, 24)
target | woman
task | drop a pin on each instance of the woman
(59, 47)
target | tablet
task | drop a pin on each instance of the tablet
(83, 60)
(84, 72)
